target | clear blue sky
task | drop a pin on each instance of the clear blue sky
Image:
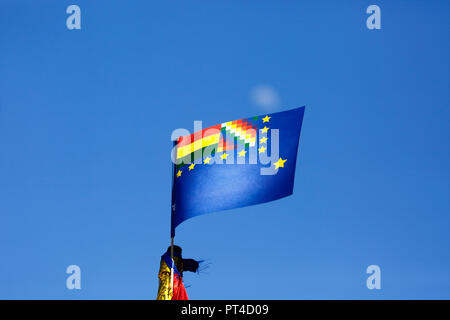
(85, 124)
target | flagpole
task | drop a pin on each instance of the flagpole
(172, 231)
(171, 267)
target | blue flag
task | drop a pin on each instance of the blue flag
(235, 164)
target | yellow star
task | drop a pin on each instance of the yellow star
(191, 166)
(262, 140)
(224, 156)
(179, 173)
(264, 130)
(280, 163)
(262, 149)
(207, 160)
(266, 119)
(242, 153)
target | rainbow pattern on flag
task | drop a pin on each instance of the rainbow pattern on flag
(218, 138)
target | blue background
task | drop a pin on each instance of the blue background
(85, 123)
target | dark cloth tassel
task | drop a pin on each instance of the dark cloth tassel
(190, 265)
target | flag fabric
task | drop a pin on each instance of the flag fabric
(166, 290)
(235, 164)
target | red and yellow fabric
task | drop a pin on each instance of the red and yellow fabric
(165, 292)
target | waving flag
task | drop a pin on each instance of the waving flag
(235, 164)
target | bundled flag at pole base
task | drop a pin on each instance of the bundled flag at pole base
(170, 274)
(235, 164)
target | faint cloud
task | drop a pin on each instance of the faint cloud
(265, 96)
